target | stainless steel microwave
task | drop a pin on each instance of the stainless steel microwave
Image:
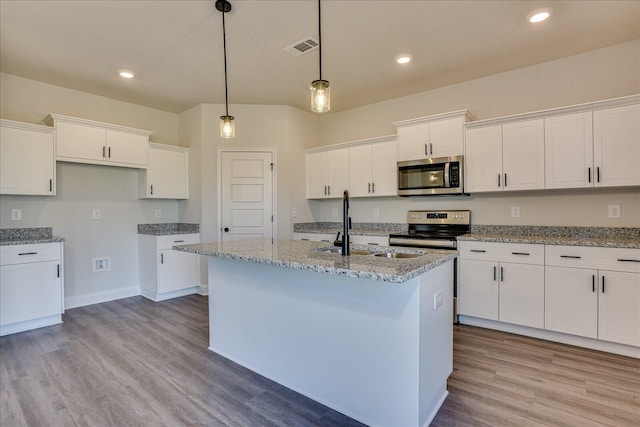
(436, 176)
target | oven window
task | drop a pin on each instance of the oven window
(417, 177)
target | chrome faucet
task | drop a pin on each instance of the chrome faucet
(346, 224)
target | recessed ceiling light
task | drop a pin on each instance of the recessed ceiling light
(403, 59)
(126, 74)
(539, 16)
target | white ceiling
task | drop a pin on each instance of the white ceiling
(175, 47)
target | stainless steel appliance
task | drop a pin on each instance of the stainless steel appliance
(438, 230)
(436, 176)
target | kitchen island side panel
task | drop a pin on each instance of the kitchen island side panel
(351, 344)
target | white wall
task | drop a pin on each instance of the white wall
(82, 188)
(601, 74)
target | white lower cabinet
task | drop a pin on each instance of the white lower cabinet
(593, 292)
(165, 273)
(31, 287)
(503, 282)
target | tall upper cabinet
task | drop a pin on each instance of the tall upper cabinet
(27, 159)
(440, 135)
(167, 174)
(88, 141)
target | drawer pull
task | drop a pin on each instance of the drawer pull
(570, 256)
(178, 241)
(628, 260)
(28, 253)
(494, 273)
(478, 250)
(372, 244)
(520, 253)
(161, 258)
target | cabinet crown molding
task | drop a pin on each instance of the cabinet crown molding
(52, 118)
(570, 109)
(464, 113)
(26, 126)
(351, 143)
(178, 148)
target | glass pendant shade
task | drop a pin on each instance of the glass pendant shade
(227, 127)
(320, 96)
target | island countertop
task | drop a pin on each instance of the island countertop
(315, 256)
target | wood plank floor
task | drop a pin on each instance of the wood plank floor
(133, 362)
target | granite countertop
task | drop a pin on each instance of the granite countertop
(570, 236)
(358, 228)
(168, 228)
(28, 236)
(313, 256)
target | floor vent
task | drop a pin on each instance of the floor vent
(306, 45)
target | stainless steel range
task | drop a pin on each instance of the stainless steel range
(433, 229)
(439, 230)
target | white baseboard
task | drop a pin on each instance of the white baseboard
(98, 297)
(203, 290)
(155, 296)
(30, 324)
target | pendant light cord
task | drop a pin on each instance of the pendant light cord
(224, 46)
(319, 38)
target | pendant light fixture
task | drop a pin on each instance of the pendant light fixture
(227, 125)
(320, 91)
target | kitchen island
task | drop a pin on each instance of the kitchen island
(366, 335)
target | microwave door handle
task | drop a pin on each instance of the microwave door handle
(446, 175)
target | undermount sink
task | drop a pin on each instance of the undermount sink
(339, 251)
(397, 255)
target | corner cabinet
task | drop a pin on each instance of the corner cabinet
(373, 169)
(327, 173)
(440, 135)
(88, 141)
(31, 286)
(165, 273)
(167, 173)
(27, 159)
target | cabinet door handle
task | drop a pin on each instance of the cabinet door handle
(603, 284)
(589, 174)
(494, 273)
(593, 283)
(478, 250)
(369, 190)
(178, 241)
(498, 180)
(152, 189)
(502, 274)
(328, 190)
(28, 253)
(109, 151)
(161, 258)
(50, 185)
(426, 150)
(431, 148)
(570, 256)
(103, 151)
(598, 174)
(520, 253)
(505, 180)
(628, 260)
(58, 270)
(373, 187)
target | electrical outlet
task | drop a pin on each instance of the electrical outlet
(16, 214)
(294, 213)
(614, 211)
(158, 213)
(96, 214)
(437, 299)
(101, 264)
(376, 212)
(515, 211)
(335, 212)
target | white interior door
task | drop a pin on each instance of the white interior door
(247, 200)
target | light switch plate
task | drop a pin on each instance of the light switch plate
(96, 214)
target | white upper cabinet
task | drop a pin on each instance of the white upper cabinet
(523, 155)
(87, 141)
(27, 159)
(569, 150)
(505, 157)
(616, 146)
(167, 175)
(327, 173)
(373, 169)
(433, 136)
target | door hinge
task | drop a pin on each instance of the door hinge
(271, 164)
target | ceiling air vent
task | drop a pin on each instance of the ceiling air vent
(306, 45)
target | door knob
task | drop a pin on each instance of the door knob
(226, 229)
